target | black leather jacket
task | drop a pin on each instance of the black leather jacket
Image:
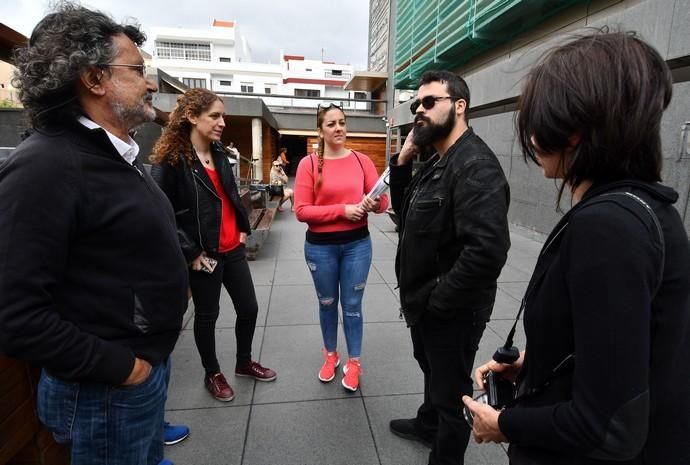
(197, 204)
(454, 234)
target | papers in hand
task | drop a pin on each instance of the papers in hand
(381, 184)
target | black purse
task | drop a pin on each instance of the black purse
(276, 190)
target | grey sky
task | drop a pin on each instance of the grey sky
(298, 27)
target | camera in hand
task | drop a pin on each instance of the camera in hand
(498, 392)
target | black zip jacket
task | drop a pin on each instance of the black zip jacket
(91, 273)
(197, 204)
(625, 399)
(454, 235)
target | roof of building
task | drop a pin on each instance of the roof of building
(9, 40)
(219, 23)
(367, 81)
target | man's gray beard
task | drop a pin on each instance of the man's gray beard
(432, 132)
(135, 115)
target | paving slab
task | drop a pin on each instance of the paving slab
(321, 432)
(295, 353)
(217, 436)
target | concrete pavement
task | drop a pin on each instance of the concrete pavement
(297, 419)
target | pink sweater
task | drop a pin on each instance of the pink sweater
(344, 181)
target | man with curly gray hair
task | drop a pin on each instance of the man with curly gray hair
(93, 284)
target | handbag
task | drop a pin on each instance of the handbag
(276, 190)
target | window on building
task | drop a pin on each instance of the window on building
(225, 83)
(360, 96)
(225, 60)
(336, 72)
(308, 69)
(183, 51)
(247, 88)
(307, 93)
(194, 83)
(267, 90)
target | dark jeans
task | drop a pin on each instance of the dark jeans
(445, 351)
(107, 425)
(232, 271)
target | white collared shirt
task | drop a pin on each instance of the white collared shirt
(128, 151)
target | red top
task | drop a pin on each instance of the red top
(229, 237)
(344, 181)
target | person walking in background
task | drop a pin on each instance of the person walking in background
(282, 156)
(330, 196)
(192, 168)
(234, 159)
(278, 185)
(93, 285)
(603, 379)
(453, 243)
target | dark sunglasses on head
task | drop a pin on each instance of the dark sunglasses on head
(428, 102)
(327, 106)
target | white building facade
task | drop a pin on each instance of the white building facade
(219, 59)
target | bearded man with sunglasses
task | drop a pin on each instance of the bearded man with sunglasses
(453, 243)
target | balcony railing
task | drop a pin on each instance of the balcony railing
(342, 75)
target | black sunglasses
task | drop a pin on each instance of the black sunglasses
(428, 102)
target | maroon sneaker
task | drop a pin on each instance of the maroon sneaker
(256, 371)
(219, 388)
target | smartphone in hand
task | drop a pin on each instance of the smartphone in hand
(208, 264)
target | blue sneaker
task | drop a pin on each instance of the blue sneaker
(165, 462)
(172, 434)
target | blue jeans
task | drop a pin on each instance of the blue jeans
(340, 270)
(107, 425)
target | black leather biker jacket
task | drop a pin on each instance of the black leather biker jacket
(454, 234)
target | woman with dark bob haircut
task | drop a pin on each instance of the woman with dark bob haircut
(604, 377)
(192, 168)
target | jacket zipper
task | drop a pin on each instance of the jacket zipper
(413, 197)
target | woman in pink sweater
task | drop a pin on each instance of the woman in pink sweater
(330, 196)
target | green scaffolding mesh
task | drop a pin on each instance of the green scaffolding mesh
(435, 34)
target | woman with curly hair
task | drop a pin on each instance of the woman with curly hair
(330, 196)
(192, 168)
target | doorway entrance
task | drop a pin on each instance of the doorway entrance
(296, 150)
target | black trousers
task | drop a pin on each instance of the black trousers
(445, 351)
(232, 272)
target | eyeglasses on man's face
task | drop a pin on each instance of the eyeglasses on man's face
(141, 69)
(428, 102)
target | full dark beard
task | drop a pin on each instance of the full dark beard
(432, 132)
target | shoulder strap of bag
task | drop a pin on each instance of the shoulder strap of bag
(364, 175)
(655, 219)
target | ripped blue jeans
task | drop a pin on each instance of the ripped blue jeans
(340, 271)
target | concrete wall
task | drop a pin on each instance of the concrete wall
(13, 122)
(497, 76)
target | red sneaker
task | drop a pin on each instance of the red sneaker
(351, 370)
(219, 388)
(256, 371)
(327, 372)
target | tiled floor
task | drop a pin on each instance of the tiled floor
(297, 419)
